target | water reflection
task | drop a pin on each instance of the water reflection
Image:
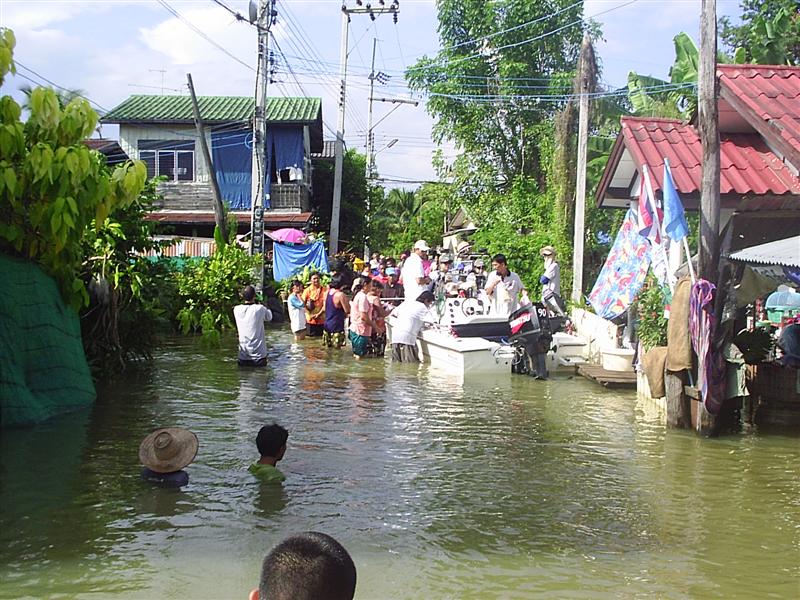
(440, 488)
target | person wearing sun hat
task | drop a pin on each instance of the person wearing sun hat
(551, 281)
(164, 454)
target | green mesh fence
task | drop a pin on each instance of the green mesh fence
(43, 370)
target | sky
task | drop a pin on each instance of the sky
(111, 49)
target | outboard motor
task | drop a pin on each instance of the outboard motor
(532, 330)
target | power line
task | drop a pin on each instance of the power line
(442, 63)
(203, 34)
(238, 16)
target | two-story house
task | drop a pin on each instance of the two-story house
(160, 131)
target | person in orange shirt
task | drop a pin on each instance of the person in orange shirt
(314, 299)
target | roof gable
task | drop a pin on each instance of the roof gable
(768, 97)
(747, 166)
(145, 108)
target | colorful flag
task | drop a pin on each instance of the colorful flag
(674, 218)
(648, 226)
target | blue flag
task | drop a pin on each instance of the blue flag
(674, 218)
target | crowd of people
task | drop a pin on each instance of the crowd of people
(354, 305)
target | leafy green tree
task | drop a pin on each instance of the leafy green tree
(64, 96)
(654, 97)
(132, 298)
(408, 215)
(209, 289)
(354, 193)
(52, 186)
(769, 33)
(494, 81)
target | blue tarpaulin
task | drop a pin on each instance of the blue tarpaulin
(288, 260)
(288, 143)
(232, 154)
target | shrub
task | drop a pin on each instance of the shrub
(209, 289)
(652, 325)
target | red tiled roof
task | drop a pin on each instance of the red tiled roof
(768, 96)
(747, 165)
(270, 219)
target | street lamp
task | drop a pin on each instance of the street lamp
(389, 145)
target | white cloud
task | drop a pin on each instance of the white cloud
(33, 14)
(183, 46)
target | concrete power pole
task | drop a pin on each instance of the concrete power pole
(580, 186)
(261, 16)
(369, 145)
(394, 8)
(708, 126)
(219, 211)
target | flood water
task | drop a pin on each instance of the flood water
(498, 489)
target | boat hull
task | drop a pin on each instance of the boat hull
(465, 356)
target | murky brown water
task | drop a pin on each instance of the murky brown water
(504, 489)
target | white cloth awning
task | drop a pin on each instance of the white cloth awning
(781, 252)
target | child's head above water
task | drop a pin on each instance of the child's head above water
(271, 440)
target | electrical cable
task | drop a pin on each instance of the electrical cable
(202, 34)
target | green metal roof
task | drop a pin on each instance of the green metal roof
(144, 108)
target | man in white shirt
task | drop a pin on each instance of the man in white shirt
(413, 273)
(250, 318)
(409, 319)
(503, 287)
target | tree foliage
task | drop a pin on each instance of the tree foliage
(769, 33)
(52, 186)
(209, 289)
(498, 76)
(354, 193)
(132, 298)
(654, 97)
(404, 216)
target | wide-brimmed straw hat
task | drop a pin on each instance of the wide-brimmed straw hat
(547, 250)
(168, 449)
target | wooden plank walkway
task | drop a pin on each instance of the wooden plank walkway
(609, 379)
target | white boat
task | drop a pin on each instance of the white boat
(567, 352)
(478, 344)
(463, 355)
(460, 356)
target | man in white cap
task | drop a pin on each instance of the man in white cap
(413, 273)
(551, 281)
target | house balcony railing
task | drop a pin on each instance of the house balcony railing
(198, 196)
(290, 197)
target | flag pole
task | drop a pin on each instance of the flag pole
(685, 241)
(649, 187)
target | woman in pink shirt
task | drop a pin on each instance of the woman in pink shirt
(377, 344)
(361, 323)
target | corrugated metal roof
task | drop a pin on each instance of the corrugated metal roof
(214, 109)
(747, 166)
(782, 252)
(771, 93)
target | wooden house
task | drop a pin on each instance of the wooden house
(160, 131)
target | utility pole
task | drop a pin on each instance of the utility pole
(219, 213)
(261, 16)
(394, 8)
(580, 186)
(708, 126)
(369, 148)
